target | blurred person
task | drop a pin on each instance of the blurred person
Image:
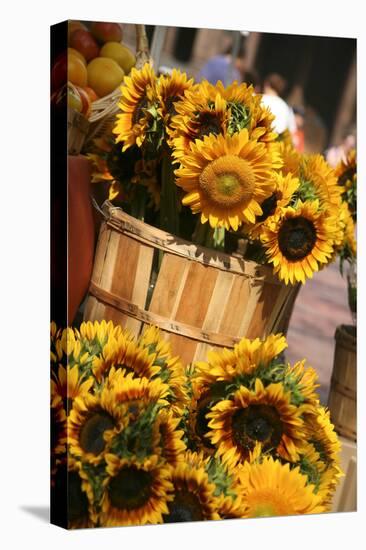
(338, 153)
(221, 67)
(274, 86)
(298, 137)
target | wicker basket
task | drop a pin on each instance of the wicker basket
(82, 130)
(199, 298)
(343, 388)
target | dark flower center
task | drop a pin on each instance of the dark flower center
(296, 238)
(92, 432)
(260, 423)
(130, 489)
(122, 165)
(138, 112)
(169, 104)
(58, 428)
(209, 123)
(347, 175)
(185, 507)
(77, 499)
(268, 207)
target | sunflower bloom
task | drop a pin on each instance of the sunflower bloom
(137, 92)
(226, 179)
(264, 416)
(299, 240)
(271, 488)
(135, 493)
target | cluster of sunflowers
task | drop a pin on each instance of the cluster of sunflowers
(180, 148)
(137, 438)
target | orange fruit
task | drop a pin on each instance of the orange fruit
(120, 53)
(104, 75)
(76, 71)
(72, 51)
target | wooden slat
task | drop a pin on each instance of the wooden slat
(101, 251)
(169, 285)
(141, 283)
(215, 311)
(258, 326)
(248, 310)
(236, 303)
(193, 305)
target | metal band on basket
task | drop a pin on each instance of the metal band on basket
(176, 327)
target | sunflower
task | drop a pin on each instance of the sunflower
(298, 240)
(69, 384)
(193, 496)
(170, 89)
(169, 437)
(291, 159)
(137, 93)
(171, 369)
(196, 422)
(323, 478)
(226, 179)
(318, 180)
(301, 381)
(67, 349)
(97, 332)
(271, 488)
(93, 420)
(227, 488)
(114, 168)
(346, 241)
(135, 493)
(246, 357)
(123, 352)
(81, 512)
(264, 415)
(58, 429)
(321, 434)
(285, 187)
(346, 170)
(247, 111)
(202, 112)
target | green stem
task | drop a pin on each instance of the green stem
(169, 217)
(138, 204)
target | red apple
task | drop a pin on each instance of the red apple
(106, 32)
(84, 43)
(59, 72)
(73, 26)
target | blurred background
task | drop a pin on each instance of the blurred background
(316, 77)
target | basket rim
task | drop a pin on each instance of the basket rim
(119, 220)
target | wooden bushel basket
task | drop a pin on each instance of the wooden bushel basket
(342, 394)
(199, 298)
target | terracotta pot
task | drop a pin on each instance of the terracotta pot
(81, 232)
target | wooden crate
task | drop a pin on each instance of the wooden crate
(342, 401)
(199, 298)
(345, 497)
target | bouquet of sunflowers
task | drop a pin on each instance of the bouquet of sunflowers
(202, 161)
(141, 439)
(346, 172)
